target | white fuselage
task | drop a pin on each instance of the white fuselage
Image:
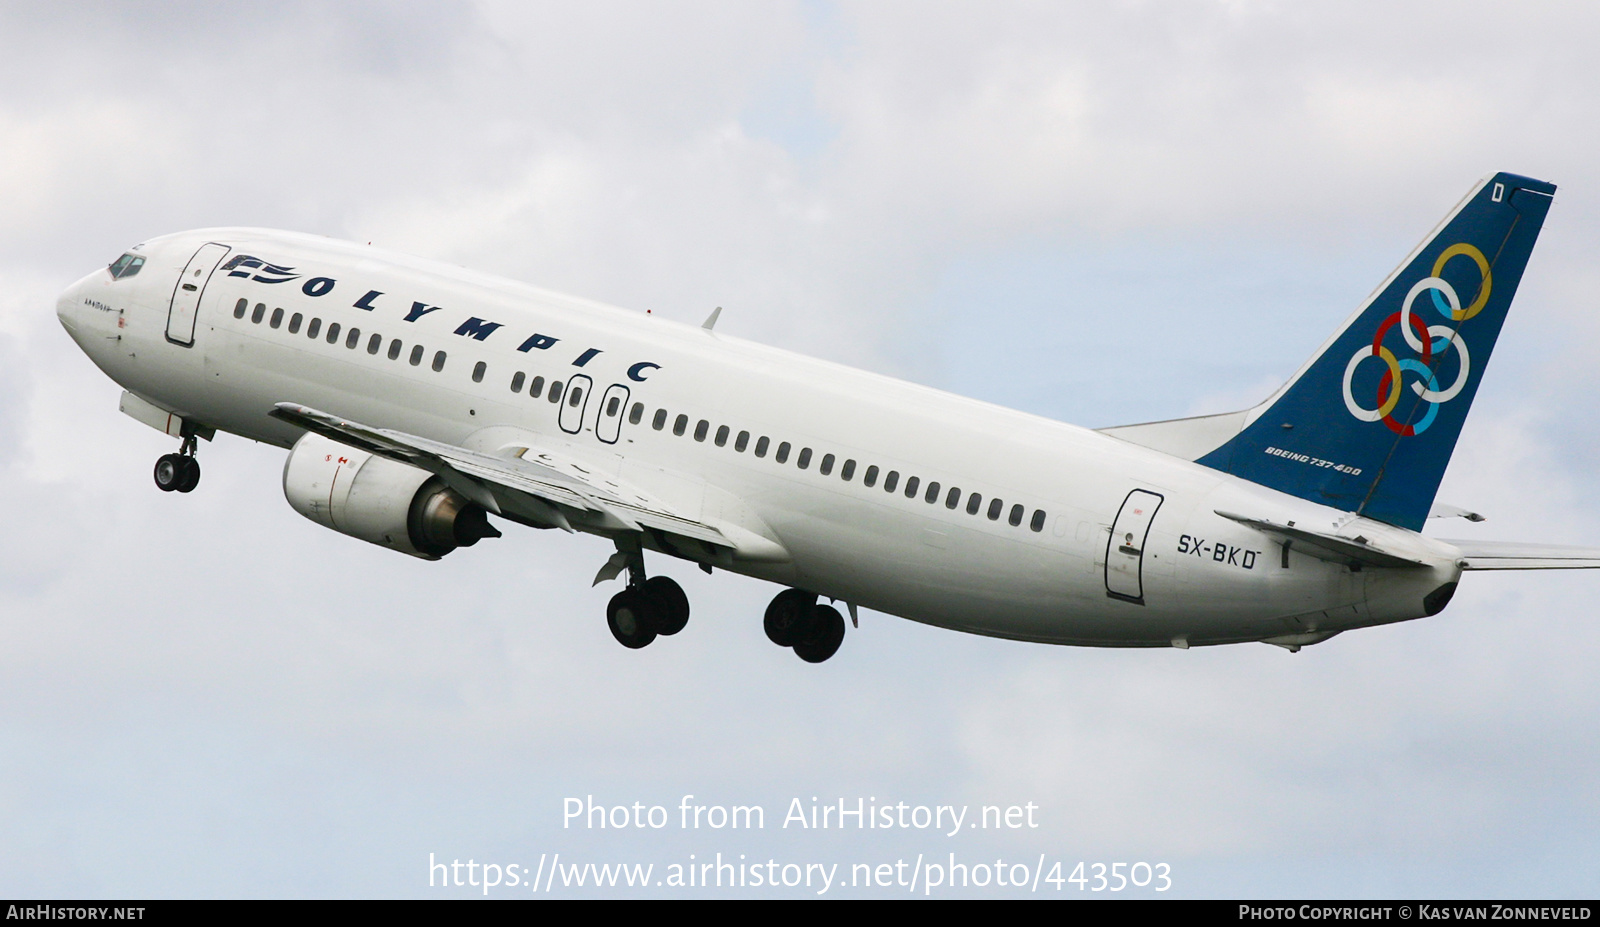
(1195, 578)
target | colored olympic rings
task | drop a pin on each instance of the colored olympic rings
(1427, 341)
(1457, 313)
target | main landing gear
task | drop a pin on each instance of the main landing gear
(638, 613)
(180, 471)
(648, 607)
(795, 619)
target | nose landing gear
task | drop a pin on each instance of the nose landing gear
(180, 471)
(796, 620)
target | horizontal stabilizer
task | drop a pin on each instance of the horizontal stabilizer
(1441, 510)
(1511, 555)
(1356, 551)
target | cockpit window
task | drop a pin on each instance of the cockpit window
(126, 266)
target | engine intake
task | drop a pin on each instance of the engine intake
(379, 500)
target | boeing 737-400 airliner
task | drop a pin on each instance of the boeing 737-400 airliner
(417, 400)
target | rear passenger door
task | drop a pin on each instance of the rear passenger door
(1125, 547)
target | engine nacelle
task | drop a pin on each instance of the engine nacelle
(379, 500)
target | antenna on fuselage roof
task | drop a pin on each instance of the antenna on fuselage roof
(711, 320)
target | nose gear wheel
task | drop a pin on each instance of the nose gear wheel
(177, 473)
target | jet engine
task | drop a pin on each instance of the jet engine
(379, 500)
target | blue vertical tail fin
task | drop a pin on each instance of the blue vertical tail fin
(1368, 425)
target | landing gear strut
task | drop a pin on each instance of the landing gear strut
(647, 608)
(795, 619)
(180, 471)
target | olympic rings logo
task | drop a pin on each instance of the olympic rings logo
(1428, 341)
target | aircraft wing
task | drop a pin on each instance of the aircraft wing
(1511, 555)
(538, 483)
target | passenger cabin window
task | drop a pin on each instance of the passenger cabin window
(333, 329)
(516, 381)
(555, 390)
(805, 458)
(680, 424)
(126, 266)
(294, 323)
(1037, 524)
(722, 436)
(911, 486)
(259, 314)
(701, 429)
(660, 420)
(995, 508)
(536, 387)
(827, 465)
(871, 479)
(375, 343)
(783, 453)
(416, 354)
(240, 308)
(761, 446)
(974, 502)
(953, 498)
(891, 481)
(636, 413)
(438, 361)
(741, 442)
(314, 329)
(1016, 516)
(277, 318)
(352, 339)
(394, 349)
(478, 370)
(932, 495)
(847, 471)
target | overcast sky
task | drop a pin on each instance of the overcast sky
(1098, 212)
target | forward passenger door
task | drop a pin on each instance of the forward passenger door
(191, 286)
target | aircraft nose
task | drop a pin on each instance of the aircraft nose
(72, 306)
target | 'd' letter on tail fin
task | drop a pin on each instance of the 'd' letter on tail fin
(1369, 424)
